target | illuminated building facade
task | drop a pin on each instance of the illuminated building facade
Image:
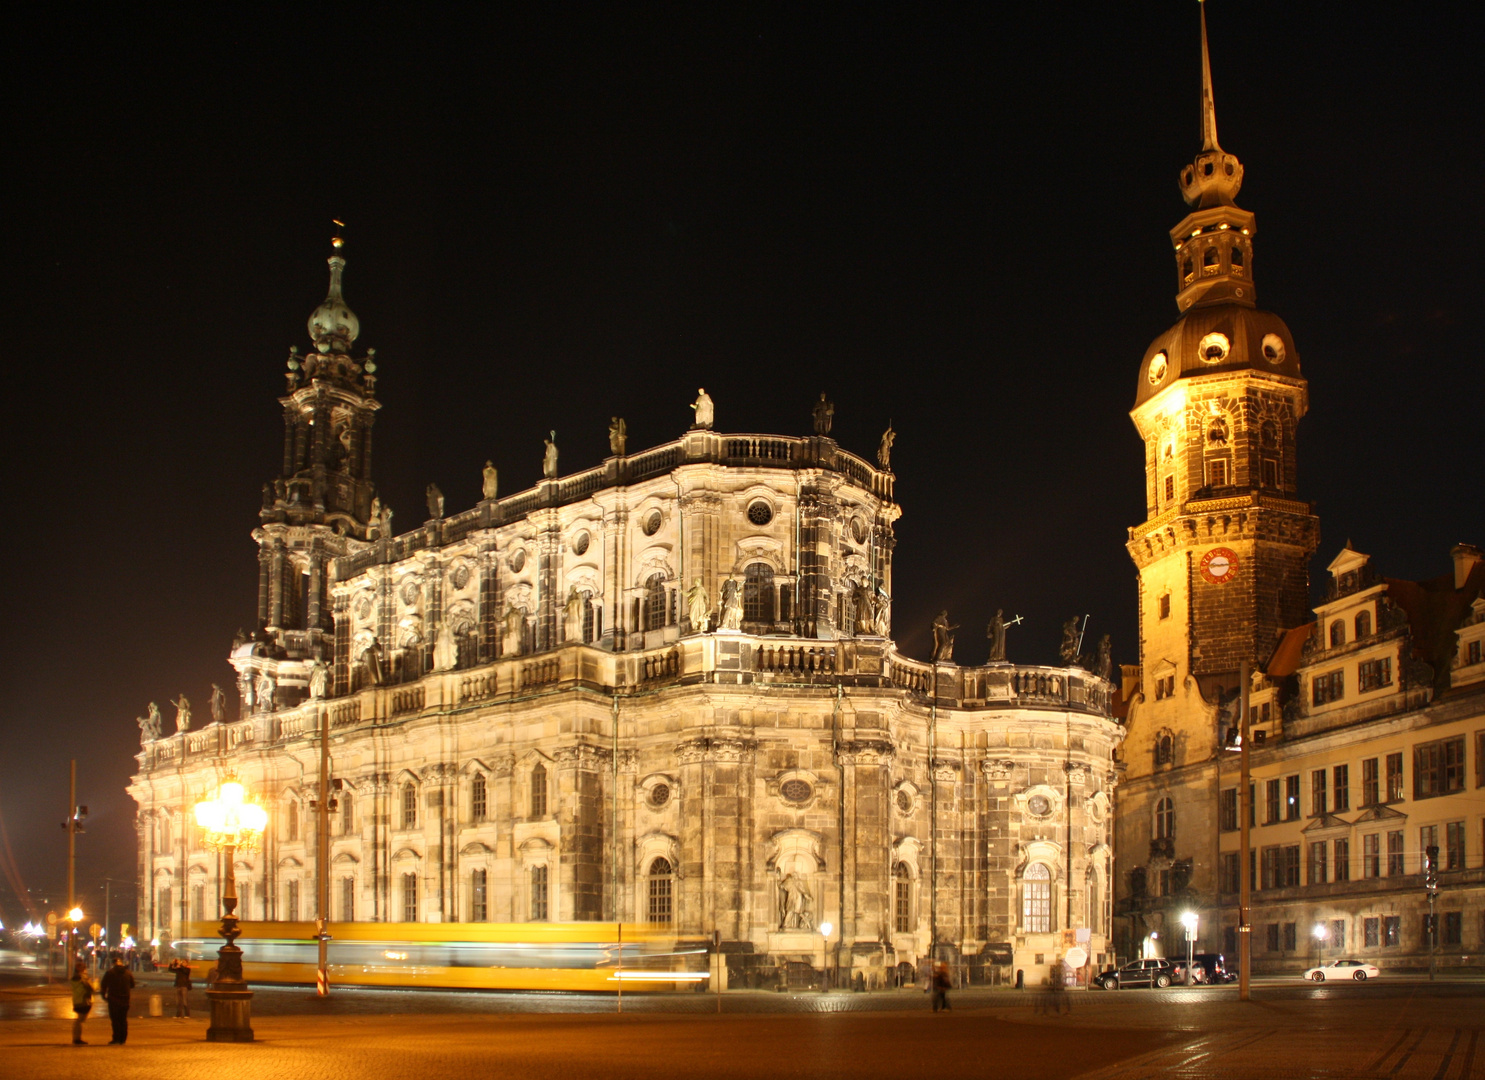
(660, 690)
(1223, 580)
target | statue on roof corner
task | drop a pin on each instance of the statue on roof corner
(1103, 666)
(884, 449)
(1070, 638)
(704, 411)
(549, 457)
(490, 481)
(218, 703)
(996, 633)
(731, 615)
(435, 501)
(149, 724)
(182, 714)
(824, 415)
(618, 435)
(943, 638)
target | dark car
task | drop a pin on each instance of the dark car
(1140, 973)
(1211, 968)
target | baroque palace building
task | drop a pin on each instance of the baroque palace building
(1365, 710)
(662, 690)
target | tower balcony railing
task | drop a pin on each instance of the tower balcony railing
(721, 658)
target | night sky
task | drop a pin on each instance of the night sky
(950, 218)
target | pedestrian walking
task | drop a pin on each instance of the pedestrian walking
(115, 986)
(82, 1001)
(182, 988)
(939, 981)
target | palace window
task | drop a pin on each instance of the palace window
(1438, 768)
(1291, 936)
(538, 790)
(1342, 850)
(1391, 930)
(409, 897)
(1454, 845)
(1337, 933)
(1291, 865)
(409, 805)
(162, 914)
(478, 797)
(662, 877)
(1227, 872)
(1453, 927)
(1217, 472)
(758, 593)
(347, 814)
(1337, 634)
(292, 825)
(1395, 776)
(538, 893)
(1395, 865)
(1371, 792)
(291, 902)
(1374, 674)
(1273, 802)
(1291, 797)
(1371, 932)
(588, 616)
(1363, 625)
(1428, 837)
(1228, 810)
(1170, 489)
(1036, 899)
(1342, 776)
(1371, 855)
(1270, 473)
(1165, 605)
(1165, 819)
(479, 908)
(1164, 750)
(1318, 800)
(655, 602)
(348, 899)
(1329, 687)
(1272, 937)
(1318, 851)
(1472, 652)
(902, 899)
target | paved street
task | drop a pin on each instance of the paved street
(1396, 1030)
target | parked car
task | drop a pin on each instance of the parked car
(1212, 968)
(1358, 970)
(1139, 973)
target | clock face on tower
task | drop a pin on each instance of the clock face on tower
(1219, 566)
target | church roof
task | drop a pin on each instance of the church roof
(1249, 338)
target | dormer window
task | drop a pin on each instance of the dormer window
(1337, 634)
(1363, 625)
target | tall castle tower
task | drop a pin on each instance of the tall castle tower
(1224, 549)
(319, 507)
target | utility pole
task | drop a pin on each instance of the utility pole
(322, 870)
(1245, 879)
(73, 825)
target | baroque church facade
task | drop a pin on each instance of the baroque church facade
(1367, 712)
(660, 690)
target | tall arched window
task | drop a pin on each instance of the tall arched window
(1165, 749)
(1036, 899)
(902, 899)
(758, 593)
(1237, 255)
(655, 602)
(1165, 819)
(165, 838)
(1337, 634)
(347, 814)
(292, 826)
(1363, 624)
(479, 908)
(538, 893)
(409, 897)
(588, 634)
(538, 790)
(409, 808)
(662, 877)
(477, 798)
(1094, 914)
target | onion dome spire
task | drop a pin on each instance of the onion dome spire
(1215, 177)
(333, 325)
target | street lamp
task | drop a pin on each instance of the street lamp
(230, 822)
(825, 929)
(74, 917)
(1322, 932)
(1189, 921)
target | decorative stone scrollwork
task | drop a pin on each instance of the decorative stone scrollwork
(998, 769)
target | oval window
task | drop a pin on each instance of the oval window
(517, 560)
(1213, 348)
(580, 543)
(1158, 366)
(1273, 348)
(1039, 805)
(659, 794)
(796, 791)
(760, 513)
(651, 524)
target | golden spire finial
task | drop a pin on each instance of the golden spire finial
(337, 241)
(1208, 106)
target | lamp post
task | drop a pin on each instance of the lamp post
(1189, 921)
(1321, 933)
(74, 917)
(825, 929)
(230, 822)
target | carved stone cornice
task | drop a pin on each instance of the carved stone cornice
(502, 765)
(715, 748)
(582, 756)
(998, 768)
(865, 752)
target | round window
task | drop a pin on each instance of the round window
(1213, 348)
(1039, 805)
(796, 791)
(580, 543)
(460, 576)
(1273, 348)
(1158, 365)
(651, 523)
(659, 794)
(517, 560)
(858, 529)
(760, 513)
(410, 592)
(904, 802)
(363, 608)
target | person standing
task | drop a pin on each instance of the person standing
(939, 981)
(182, 988)
(115, 987)
(82, 1001)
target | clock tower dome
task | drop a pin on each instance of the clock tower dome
(1224, 550)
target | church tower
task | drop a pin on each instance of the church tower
(1224, 549)
(319, 506)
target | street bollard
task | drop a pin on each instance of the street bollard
(156, 1007)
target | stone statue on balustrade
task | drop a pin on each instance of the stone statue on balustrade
(881, 617)
(319, 679)
(1103, 664)
(864, 600)
(435, 501)
(884, 448)
(943, 638)
(996, 633)
(572, 615)
(698, 606)
(149, 724)
(182, 714)
(218, 704)
(515, 630)
(731, 615)
(445, 648)
(266, 692)
(490, 481)
(1070, 641)
(372, 669)
(618, 436)
(824, 415)
(796, 905)
(549, 457)
(703, 409)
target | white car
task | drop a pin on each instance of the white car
(1359, 970)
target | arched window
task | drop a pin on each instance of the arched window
(588, 634)
(655, 602)
(409, 897)
(479, 908)
(538, 790)
(1337, 634)
(902, 899)
(661, 878)
(758, 593)
(1237, 255)
(1036, 899)
(165, 838)
(538, 893)
(293, 821)
(347, 814)
(1209, 260)
(347, 899)
(1187, 272)
(1165, 751)
(1165, 819)
(1093, 916)
(409, 809)
(1363, 624)
(477, 798)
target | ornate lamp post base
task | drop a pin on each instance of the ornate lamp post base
(231, 1014)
